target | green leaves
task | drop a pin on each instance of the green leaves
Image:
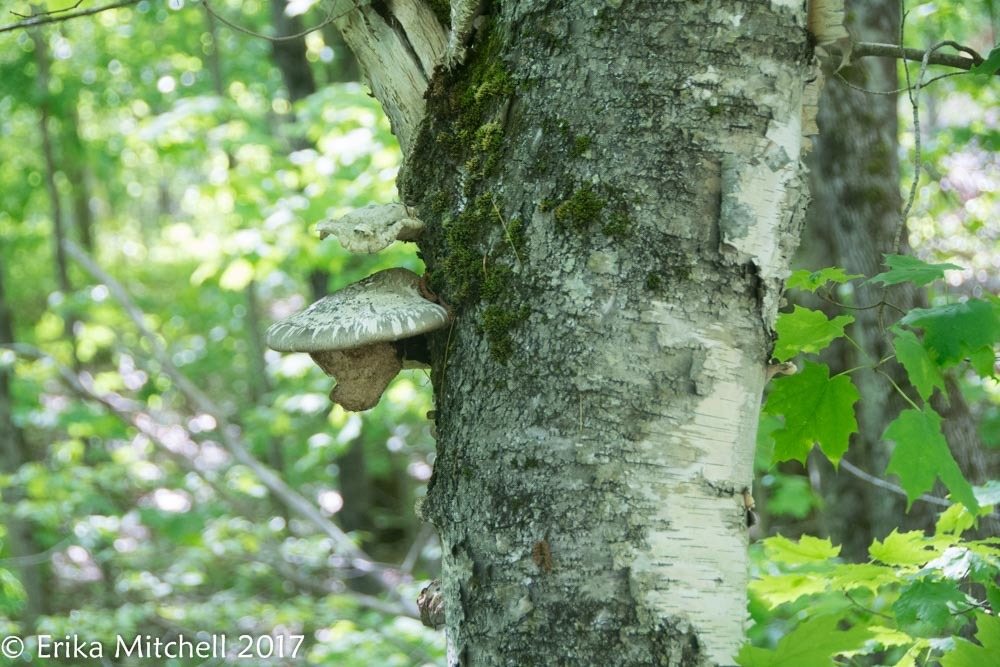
(924, 373)
(812, 281)
(817, 409)
(921, 455)
(967, 654)
(955, 331)
(906, 268)
(929, 600)
(903, 549)
(813, 643)
(989, 66)
(805, 550)
(805, 330)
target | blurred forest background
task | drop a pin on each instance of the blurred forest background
(161, 176)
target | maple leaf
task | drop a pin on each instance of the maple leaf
(929, 600)
(922, 454)
(958, 330)
(813, 280)
(924, 373)
(805, 330)
(903, 549)
(804, 550)
(904, 268)
(817, 409)
(814, 642)
(967, 654)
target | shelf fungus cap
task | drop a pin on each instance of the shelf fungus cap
(373, 228)
(352, 334)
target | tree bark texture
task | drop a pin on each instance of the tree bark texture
(612, 192)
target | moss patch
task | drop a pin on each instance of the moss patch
(497, 325)
(580, 146)
(486, 148)
(442, 12)
(580, 210)
(618, 225)
(471, 249)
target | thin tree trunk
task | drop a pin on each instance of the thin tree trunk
(51, 167)
(612, 191)
(13, 454)
(290, 54)
(75, 167)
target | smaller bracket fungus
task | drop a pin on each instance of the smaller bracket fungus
(359, 334)
(373, 228)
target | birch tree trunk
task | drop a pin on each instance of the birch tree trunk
(612, 192)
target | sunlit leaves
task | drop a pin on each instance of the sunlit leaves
(805, 330)
(813, 280)
(906, 268)
(788, 588)
(921, 455)
(817, 409)
(804, 550)
(904, 549)
(237, 275)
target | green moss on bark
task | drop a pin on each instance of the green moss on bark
(497, 325)
(580, 210)
(471, 250)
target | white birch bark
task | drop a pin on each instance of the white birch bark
(597, 403)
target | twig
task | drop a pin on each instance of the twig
(895, 91)
(53, 17)
(424, 535)
(34, 559)
(330, 18)
(187, 388)
(506, 233)
(131, 413)
(889, 486)
(48, 13)
(857, 604)
(879, 304)
(127, 411)
(316, 586)
(914, 95)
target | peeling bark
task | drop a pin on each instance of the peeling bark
(397, 51)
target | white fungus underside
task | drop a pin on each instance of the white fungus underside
(383, 307)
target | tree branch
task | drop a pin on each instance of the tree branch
(58, 15)
(330, 18)
(868, 49)
(889, 486)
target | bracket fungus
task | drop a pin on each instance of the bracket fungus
(360, 334)
(373, 227)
